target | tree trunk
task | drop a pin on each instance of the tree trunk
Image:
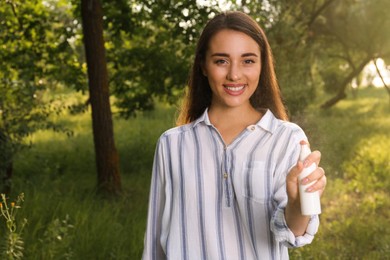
(6, 165)
(341, 93)
(7, 179)
(107, 159)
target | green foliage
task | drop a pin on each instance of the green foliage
(353, 139)
(36, 55)
(149, 49)
(350, 33)
(293, 50)
(12, 245)
(373, 159)
(61, 182)
(56, 240)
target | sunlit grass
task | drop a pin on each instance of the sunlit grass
(57, 175)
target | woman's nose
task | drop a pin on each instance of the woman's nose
(234, 73)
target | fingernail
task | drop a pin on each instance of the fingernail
(305, 180)
(309, 189)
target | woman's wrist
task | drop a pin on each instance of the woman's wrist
(296, 222)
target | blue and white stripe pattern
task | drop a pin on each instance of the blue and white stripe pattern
(211, 201)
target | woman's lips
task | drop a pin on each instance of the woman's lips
(234, 89)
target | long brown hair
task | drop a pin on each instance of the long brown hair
(267, 94)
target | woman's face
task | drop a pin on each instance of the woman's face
(232, 66)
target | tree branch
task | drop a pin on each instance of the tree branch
(12, 4)
(343, 85)
(318, 12)
(380, 75)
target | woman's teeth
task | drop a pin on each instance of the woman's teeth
(235, 88)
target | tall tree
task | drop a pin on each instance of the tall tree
(107, 159)
(352, 34)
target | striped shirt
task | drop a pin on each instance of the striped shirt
(212, 201)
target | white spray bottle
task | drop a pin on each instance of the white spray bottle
(310, 201)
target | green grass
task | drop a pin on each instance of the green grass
(57, 175)
(66, 220)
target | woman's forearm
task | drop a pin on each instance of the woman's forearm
(296, 222)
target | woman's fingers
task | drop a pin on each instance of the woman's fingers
(318, 177)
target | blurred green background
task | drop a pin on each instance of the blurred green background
(331, 61)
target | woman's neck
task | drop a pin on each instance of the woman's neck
(234, 116)
(230, 122)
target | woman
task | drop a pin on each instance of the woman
(225, 182)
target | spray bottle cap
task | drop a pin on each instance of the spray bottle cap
(305, 151)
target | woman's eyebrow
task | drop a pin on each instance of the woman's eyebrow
(220, 54)
(249, 54)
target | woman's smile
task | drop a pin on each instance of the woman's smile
(234, 89)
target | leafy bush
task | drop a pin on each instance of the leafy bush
(369, 168)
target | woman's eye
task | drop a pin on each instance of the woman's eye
(220, 62)
(249, 61)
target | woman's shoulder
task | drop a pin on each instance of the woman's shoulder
(292, 129)
(273, 123)
(290, 125)
(174, 131)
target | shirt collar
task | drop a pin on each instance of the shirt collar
(203, 118)
(268, 121)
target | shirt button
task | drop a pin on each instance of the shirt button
(225, 175)
(253, 128)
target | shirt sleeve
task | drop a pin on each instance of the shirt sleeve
(284, 235)
(278, 223)
(153, 249)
